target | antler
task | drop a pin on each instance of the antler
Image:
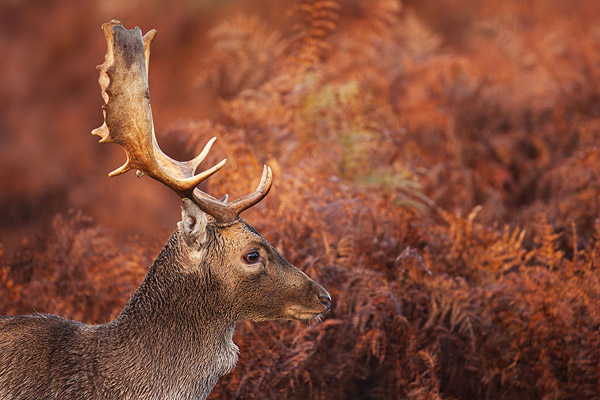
(128, 122)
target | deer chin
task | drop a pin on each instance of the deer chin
(303, 314)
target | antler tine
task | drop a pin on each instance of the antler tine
(128, 115)
(261, 191)
(200, 157)
(225, 213)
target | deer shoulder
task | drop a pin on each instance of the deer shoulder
(174, 337)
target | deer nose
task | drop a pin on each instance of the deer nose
(325, 299)
(322, 294)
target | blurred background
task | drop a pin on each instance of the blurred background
(435, 164)
(50, 101)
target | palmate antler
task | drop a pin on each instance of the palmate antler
(128, 122)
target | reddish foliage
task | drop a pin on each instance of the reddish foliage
(436, 168)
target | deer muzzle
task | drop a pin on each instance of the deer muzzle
(322, 295)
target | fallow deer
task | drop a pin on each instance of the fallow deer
(173, 338)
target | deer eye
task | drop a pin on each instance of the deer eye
(251, 258)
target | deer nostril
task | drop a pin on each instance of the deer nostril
(325, 300)
(322, 294)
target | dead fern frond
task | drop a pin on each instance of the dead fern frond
(547, 251)
(243, 54)
(318, 19)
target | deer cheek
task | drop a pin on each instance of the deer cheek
(261, 294)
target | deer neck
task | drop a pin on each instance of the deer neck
(177, 322)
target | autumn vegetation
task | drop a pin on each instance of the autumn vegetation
(436, 167)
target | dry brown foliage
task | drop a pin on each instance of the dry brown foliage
(436, 168)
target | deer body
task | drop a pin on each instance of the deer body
(174, 337)
(155, 349)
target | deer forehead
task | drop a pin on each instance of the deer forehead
(242, 234)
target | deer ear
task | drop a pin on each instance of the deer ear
(193, 223)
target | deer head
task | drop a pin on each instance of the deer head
(255, 281)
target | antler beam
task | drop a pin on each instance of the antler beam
(128, 123)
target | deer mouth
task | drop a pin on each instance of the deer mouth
(302, 314)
